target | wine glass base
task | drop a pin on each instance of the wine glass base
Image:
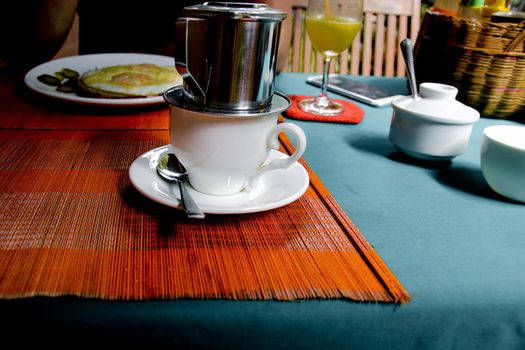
(326, 108)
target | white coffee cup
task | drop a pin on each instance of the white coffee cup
(503, 160)
(224, 152)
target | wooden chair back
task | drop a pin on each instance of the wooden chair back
(375, 50)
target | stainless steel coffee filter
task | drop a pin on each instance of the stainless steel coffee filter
(278, 104)
(227, 53)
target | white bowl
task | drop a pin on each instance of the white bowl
(432, 126)
(503, 160)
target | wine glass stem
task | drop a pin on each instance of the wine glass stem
(323, 97)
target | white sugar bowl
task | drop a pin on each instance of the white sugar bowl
(433, 125)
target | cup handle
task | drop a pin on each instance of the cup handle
(272, 141)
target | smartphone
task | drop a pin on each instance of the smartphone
(346, 86)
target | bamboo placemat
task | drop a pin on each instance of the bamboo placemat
(23, 109)
(71, 224)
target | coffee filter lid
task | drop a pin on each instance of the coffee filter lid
(235, 10)
(280, 103)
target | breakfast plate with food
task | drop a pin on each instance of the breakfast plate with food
(112, 79)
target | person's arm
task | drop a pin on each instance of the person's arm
(33, 32)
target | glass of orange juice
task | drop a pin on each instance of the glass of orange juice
(332, 26)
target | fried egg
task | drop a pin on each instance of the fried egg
(132, 80)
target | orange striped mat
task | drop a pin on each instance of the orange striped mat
(71, 224)
(23, 109)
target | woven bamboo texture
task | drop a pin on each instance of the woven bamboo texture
(22, 109)
(71, 223)
(485, 61)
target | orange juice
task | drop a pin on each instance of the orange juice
(331, 35)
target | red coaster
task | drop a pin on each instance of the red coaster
(352, 114)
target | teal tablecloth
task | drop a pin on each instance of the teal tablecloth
(458, 248)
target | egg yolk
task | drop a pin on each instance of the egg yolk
(131, 79)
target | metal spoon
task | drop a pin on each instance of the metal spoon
(171, 170)
(408, 55)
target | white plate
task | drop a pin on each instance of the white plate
(276, 188)
(83, 63)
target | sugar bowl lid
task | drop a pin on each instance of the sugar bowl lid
(235, 10)
(437, 102)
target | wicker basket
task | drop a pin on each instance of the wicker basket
(485, 61)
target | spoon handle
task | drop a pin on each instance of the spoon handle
(191, 208)
(408, 55)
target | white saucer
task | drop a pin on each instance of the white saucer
(83, 63)
(276, 188)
